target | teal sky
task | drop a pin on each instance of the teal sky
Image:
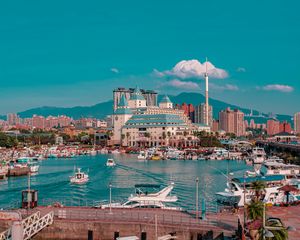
(67, 53)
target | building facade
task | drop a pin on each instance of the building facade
(135, 124)
(200, 114)
(297, 122)
(273, 127)
(232, 121)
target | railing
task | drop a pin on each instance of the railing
(6, 235)
(36, 225)
(146, 216)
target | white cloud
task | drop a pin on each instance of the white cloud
(193, 69)
(186, 85)
(241, 69)
(226, 87)
(114, 70)
(278, 87)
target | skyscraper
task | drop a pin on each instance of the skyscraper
(232, 121)
(273, 127)
(297, 122)
(13, 119)
(200, 114)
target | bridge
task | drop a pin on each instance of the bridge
(286, 147)
(28, 227)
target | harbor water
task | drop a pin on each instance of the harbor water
(53, 184)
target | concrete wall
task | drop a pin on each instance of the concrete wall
(76, 230)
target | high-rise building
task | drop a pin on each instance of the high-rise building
(200, 114)
(232, 121)
(149, 95)
(285, 127)
(273, 127)
(297, 122)
(13, 119)
(38, 122)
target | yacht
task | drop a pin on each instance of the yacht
(219, 154)
(142, 155)
(110, 162)
(273, 168)
(234, 193)
(79, 177)
(34, 168)
(144, 199)
(258, 155)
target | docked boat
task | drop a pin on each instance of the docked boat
(219, 154)
(110, 162)
(258, 155)
(142, 155)
(144, 198)
(234, 193)
(155, 156)
(79, 177)
(33, 167)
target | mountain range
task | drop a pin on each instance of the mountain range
(101, 110)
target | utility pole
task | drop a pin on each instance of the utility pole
(110, 186)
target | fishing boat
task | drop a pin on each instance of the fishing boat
(79, 177)
(110, 162)
(144, 197)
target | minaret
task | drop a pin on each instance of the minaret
(206, 95)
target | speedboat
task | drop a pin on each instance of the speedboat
(110, 162)
(144, 199)
(79, 177)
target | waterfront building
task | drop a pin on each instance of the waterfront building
(215, 126)
(297, 122)
(273, 127)
(232, 121)
(149, 96)
(137, 125)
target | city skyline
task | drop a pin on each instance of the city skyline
(76, 55)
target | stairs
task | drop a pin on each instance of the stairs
(28, 227)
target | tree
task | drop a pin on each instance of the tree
(259, 188)
(255, 210)
(280, 233)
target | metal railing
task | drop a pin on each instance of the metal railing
(6, 235)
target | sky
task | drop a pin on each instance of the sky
(70, 53)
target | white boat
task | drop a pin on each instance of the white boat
(258, 155)
(110, 162)
(219, 154)
(79, 177)
(34, 168)
(145, 199)
(275, 168)
(234, 193)
(142, 155)
(93, 152)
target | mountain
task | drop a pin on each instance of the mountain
(103, 109)
(100, 110)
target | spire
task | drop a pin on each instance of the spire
(123, 101)
(137, 94)
(165, 99)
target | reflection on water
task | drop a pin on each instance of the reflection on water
(52, 182)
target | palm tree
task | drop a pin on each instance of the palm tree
(279, 234)
(259, 188)
(255, 210)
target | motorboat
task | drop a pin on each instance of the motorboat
(143, 198)
(79, 177)
(34, 168)
(234, 193)
(110, 162)
(274, 168)
(142, 155)
(93, 152)
(219, 154)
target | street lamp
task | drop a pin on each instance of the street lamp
(110, 186)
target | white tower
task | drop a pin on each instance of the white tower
(122, 114)
(206, 95)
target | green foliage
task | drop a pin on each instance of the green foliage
(255, 210)
(207, 139)
(7, 141)
(259, 188)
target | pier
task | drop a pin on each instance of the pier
(285, 147)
